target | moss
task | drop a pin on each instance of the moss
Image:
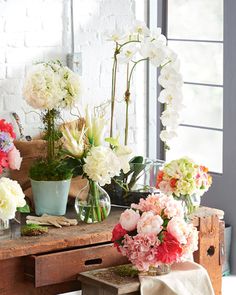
(126, 271)
(33, 230)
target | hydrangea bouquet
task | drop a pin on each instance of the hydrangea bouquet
(49, 87)
(12, 197)
(154, 233)
(89, 156)
(183, 179)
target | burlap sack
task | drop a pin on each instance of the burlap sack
(30, 151)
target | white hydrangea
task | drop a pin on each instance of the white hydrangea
(51, 85)
(101, 164)
(11, 197)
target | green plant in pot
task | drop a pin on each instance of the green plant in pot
(51, 87)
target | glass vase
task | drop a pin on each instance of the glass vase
(159, 270)
(190, 203)
(5, 231)
(92, 203)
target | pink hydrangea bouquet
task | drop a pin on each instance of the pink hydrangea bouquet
(9, 155)
(154, 233)
(184, 180)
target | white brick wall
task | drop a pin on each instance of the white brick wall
(33, 30)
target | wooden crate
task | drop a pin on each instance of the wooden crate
(210, 252)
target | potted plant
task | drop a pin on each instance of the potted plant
(50, 87)
(139, 44)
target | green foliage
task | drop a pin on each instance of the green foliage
(50, 170)
(25, 209)
(129, 179)
(76, 165)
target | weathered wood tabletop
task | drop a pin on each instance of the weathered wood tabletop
(73, 236)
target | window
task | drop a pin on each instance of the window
(195, 33)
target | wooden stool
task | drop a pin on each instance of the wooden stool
(107, 282)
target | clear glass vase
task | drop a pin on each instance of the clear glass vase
(190, 203)
(4, 229)
(92, 203)
(159, 270)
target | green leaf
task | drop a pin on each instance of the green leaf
(113, 141)
(25, 209)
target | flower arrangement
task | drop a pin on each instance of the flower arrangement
(87, 154)
(154, 232)
(11, 194)
(49, 87)
(183, 178)
(9, 155)
(12, 198)
(141, 44)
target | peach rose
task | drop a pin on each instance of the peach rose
(129, 219)
(150, 223)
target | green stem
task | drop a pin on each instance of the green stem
(113, 88)
(95, 199)
(127, 97)
(50, 133)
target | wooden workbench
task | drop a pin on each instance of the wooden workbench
(49, 264)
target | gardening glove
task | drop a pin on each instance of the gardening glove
(45, 219)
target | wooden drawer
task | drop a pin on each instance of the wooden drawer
(53, 268)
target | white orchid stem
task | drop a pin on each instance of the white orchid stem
(113, 88)
(127, 96)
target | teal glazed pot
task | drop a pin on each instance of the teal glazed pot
(50, 197)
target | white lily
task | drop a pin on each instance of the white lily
(95, 128)
(73, 139)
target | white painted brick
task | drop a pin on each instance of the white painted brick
(2, 71)
(2, 55)
(15, 39)
(15, 70)
(111, 7)
(43, 39)
(15, 8)
(34, 8)
(33, 23)
(11, 86)
(3, 7)
(12, 102)
(2, 23)
(15, 23)
(2, 40)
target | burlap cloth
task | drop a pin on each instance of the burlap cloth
(30, 151)
(186, 278)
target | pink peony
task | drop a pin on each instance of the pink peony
(179, 229)
(129, 219)
(151, 203)
(141, 250)
(14, 159)
(171, 207)
(149, 223)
